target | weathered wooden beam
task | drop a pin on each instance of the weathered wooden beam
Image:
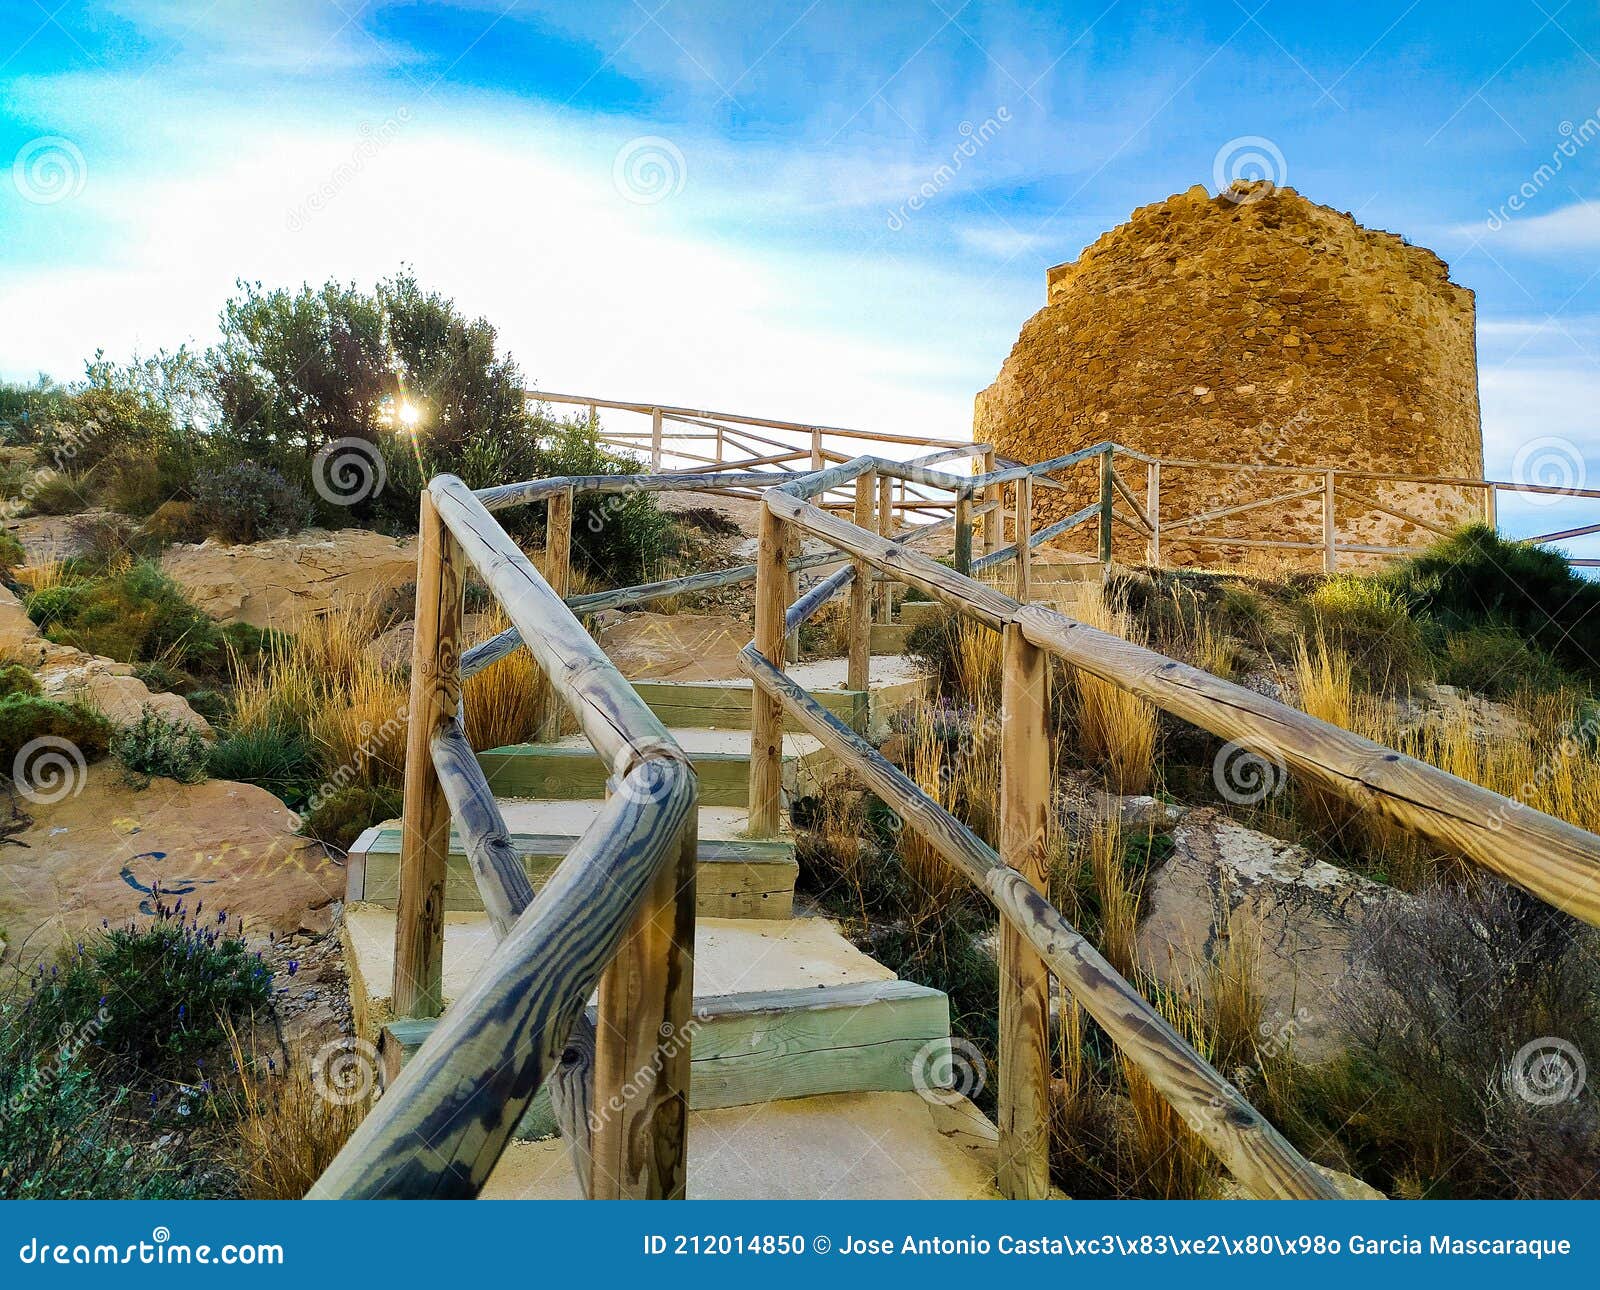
(963, 548)
(440, 1127)
(1373, 504)
(1025, 779)
(435, 703)
(858, 666)
(496, 867)
(766, 716)
(1330, 549)
(1024, 544)
(1252, 1149)
(558, 573)
(1152, 489)
(885, 528)
(1130, 499)
(1107, 474)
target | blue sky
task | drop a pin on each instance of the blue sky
(708, 202)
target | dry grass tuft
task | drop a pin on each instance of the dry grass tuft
(502, 702)
(1115, 728)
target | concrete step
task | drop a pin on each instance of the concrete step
(890, 638)
(916, 613)
(737, 877)
(895, 681)
(782, 1009)
(852, 1146)
(569, 768)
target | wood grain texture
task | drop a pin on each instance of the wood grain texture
(963, 551)
(1107, 474)
(1251, 1148)
(496, 867)
(766, 715)
(440, 1128)
(859, 663)
(640, 1115)
(1024, 542)
(1025, 779)
(558, 573)
(885, 529)
(434, 704)
(1152, 492)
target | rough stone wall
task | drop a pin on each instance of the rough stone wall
(1260, 328)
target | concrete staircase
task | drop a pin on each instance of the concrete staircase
(813, 1070)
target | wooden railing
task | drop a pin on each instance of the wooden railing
(618, 914)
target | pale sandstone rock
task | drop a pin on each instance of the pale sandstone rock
(280, 582)
(1300, 915)
(392, 649)
(95, 855)
(674, 647)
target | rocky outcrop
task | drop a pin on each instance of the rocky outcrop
(1254, 327)
(97, 853)
(280, 582)
(1224, 882)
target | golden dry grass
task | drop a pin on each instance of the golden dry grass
(502, 702)
(49, 570)
(1115, 728)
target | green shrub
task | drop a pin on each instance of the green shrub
(163, 991)
(26, 717)
(134, 616)
(282, 761)
(57, 492)
(17, 679)
(154, 746)
(11, 552)
(1497, 662)
(341, 817)
(1371, 624)
(248, 502)
(1477, 579)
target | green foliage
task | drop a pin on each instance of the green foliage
(1373, 626)
(1497, 663)
(25, 717)
(154, 746)
(159, 993)
(133, 615)
(1476, 579)
(17, 679)
(281, 760)
(245, 501)
(56, 492)
(25, 408)
(11, 552)
(618, 537)
(341, 817)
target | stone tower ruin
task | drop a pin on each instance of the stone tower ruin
(1253, 327)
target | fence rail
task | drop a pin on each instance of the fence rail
(618, 914)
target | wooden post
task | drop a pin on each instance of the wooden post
(1152, 505)
(1107, 494)
(964, 531)
(655, 439)
(418, 989)
(816, 448)
(766, 712)
(993, 497)
(558, 573)
(1024, 538)
(639, 1114)
(721, 447)
(861, 593)
(1330, 554)
(1489, 507)
(1024, 1091)
(791, 642)
(885, 529)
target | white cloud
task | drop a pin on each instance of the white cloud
(1571, 228)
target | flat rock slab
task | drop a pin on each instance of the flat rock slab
(842, 1146)
(95, 855)
(675, 647)
(279, 582)
(1225, 882)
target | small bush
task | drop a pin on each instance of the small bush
(26, 717)
(163, 992)
(58, 492)
(341, 817)
(1372, 626)
(17, 679)
(172, 521)
(11, 552)
(278, 759)
(1476, 579)
(134, 615)
(247, 502)
(154, 746)
(1497, 662)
